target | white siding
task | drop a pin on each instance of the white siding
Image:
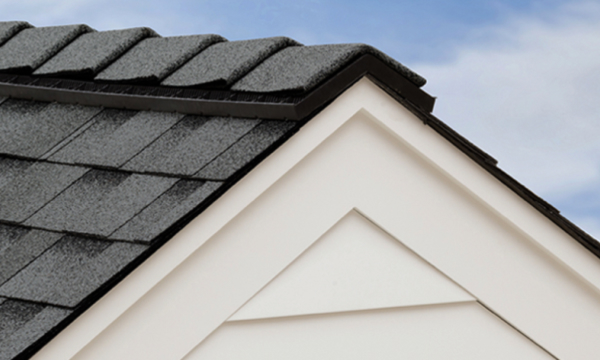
(354, 266)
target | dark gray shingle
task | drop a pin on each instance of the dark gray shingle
(19, 246)
(171, 206)
(23, 323)
(30, 128)
(115, 137)
(70, 270)
(11, 169)
(100, 202)
(27, 186)
(246, 149)
(226, 62)
(301, 68)
(92, 52)
(9, 29)
(28, 49)
(14, 314)
(190, 144)
(151, 60)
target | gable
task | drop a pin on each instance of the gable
(364, 153)
(112, 141)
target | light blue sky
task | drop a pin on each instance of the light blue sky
(518, 78)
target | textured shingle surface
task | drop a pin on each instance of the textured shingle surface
(91, 52)
(27, 186)
(301, 68)
(19, 246)
(115, 137)
(151, 60)
(190, 145)
(215, 65)
(171, 206)
(100, 202)
(244, 150)
(23, 323)
(70, 270)
(29, 128)
(8, 29)
(29, 48)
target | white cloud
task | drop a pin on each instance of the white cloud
(528, 93)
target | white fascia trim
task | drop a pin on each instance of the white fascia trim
(364, 97)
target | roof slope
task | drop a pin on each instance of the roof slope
(86, 192)
(93, 178)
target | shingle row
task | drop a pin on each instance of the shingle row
(31, 47)
(70, 270)
(139, 55)
(146, 141)
(92, 52)
(54, 268)
(31, 128)
(89, 201)
(190, 145)
(114, 137)
(216, 65)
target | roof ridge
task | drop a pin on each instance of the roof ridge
(74, 57)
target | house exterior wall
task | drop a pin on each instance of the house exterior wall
(368, 154)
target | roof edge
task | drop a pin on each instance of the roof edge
(489, 164)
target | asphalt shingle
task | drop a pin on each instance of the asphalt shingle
(151, 60)
(245, 150)
(190, 145)
(226, 62)
(29, 48)
(19, 246)
(301, 68)
(14, 314)
(23, 323)
(100, 202)
(9, 29)
(30, 128)
(27, 186)
(92, 52)
(70, 270)
(115, 137)
(171, 206)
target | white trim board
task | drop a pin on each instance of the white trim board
(360, 152)
(457, 331)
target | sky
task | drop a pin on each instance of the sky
(520, 79)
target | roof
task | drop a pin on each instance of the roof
(112, 141)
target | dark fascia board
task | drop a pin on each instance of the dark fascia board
(277, 106)
(489, 164)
